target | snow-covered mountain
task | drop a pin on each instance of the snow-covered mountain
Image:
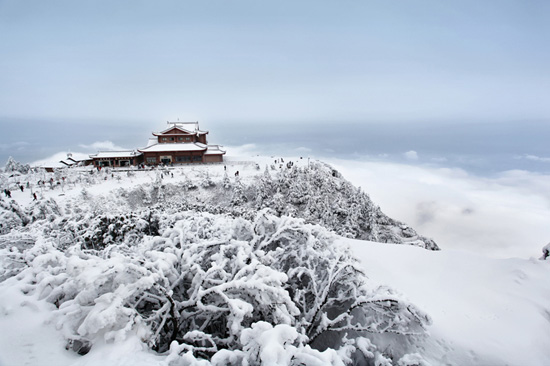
(315, 192)
(241, 264)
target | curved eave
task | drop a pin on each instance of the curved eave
(214, 150)
(186, 133)
(173, 147)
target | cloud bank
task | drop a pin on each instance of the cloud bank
(102, 146)
(93, 148)
(502, 216)
(411, 155)
(55, 158)
(536, 158)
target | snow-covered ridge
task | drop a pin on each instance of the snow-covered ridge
(312, 191)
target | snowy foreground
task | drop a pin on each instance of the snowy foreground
(484, 311)
(98, 262)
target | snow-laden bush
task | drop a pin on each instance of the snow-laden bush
(43, 210)
(12, 247)
(11, 216)
(96, 231)
(211, 289)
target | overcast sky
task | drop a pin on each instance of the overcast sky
(266, 61)
(440, 109)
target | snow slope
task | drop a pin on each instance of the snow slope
(30, 338)
(486, 311)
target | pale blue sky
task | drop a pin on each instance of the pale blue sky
(265, 61)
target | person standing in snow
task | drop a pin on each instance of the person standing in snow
(34, 196)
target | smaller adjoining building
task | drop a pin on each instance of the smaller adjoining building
(117, 158)
(181, 143)
(69, 162)
(66, 163)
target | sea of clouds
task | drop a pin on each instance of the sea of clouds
(502, 215)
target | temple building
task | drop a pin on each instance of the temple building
(181, 143)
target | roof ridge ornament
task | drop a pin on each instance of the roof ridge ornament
(183, 123)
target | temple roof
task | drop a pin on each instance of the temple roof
(193, 146)
(185, 127)
(115, 154)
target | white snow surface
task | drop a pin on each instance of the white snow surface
(485, 311)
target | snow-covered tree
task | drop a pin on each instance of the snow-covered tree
(329, 287)
(238, 197)
(206, 181)
(264, 190)
(226, 183)
(14, 166)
